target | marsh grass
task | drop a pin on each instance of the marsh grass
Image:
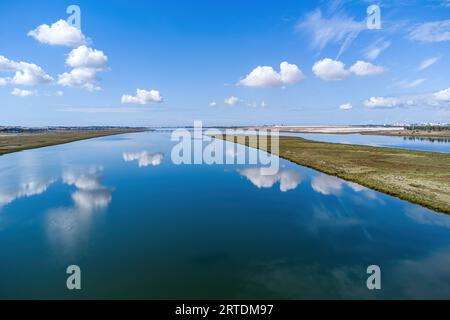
(17, 142)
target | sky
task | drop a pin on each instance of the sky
(225, 62)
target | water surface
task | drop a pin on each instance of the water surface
(141, 227)
(412, 143)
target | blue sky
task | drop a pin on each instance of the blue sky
(189, 57)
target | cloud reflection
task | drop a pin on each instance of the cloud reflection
(330, 185)
(28, 189)
(67, 227)
(144, 158)
(288, 179)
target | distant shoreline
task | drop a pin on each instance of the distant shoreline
(365, 130)
(15, 142)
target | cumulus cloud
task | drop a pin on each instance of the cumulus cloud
(85, 78)
(381, 102)
(443, 95)
(231, 101)
(144, 158)
(428, 63)
(345, 106)
(85, 57)
(23, 93)
(143, 97)
(362, 68)
(436, 31)
(288, 179)
(265, 76)
(212, 104)
(86, 63)
(329, 69)
(27, 74)
(437, 99)
(339, 29)
(3, 82)
(7, 65)
(30, 74)
(59, 33)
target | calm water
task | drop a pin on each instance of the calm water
(424, 144)
(142, 227)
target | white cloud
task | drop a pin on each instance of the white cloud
(265, 76)
(288, 179)
(339, 29)
(443, 95)
(328, 69)
(212, 104)
(428, 63)
(59, 33)
(345, 106)
(290, 73)
(362, 68)
(86, 63)
(143, 97)
(436, 31)
(410, 84)
(381, 102)
(23, 93)
(85, 57)
(231, 101)
(255, 104)
(436, 99)
(374, 50)
(59, 93)
(7, 65)
(3, 81)
(28, 74)
(85, 78)
(144, 158)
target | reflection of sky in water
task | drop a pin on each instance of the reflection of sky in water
(424, 144)
(141, 227)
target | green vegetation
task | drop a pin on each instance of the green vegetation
(416, 176)
(16, 142)
(429, 127)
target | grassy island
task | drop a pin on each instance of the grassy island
(13, 142)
